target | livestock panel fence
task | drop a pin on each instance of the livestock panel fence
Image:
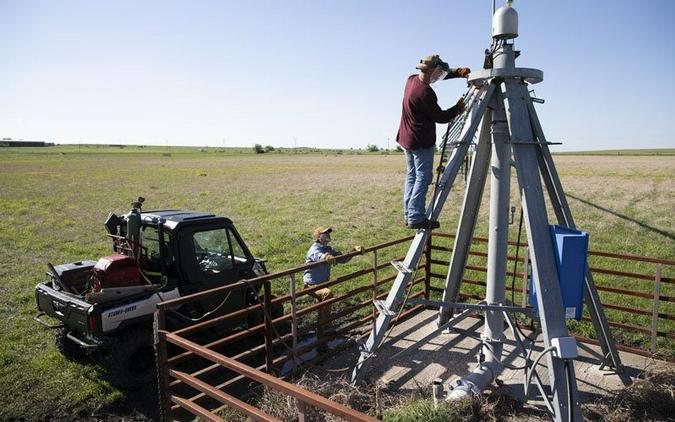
(206, 370)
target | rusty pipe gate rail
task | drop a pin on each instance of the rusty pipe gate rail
(637, 295)
(354, 294)
(202, 390)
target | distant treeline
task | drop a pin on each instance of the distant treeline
(8, 143)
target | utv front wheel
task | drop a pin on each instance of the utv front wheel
(131, 361)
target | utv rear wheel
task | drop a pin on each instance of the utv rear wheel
(257, 317)
(66, 346)
(131, 361)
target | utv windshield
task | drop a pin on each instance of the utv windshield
(217, 250)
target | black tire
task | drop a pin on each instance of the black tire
(277, 310)
(131, 360)
(66, 346)
(258, 317)
(255, 318)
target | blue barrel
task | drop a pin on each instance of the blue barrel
(571, 250)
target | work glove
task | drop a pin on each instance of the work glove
(463, 72)
(358, 249)
(330, 259)
(459, 107)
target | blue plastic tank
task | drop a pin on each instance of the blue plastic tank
(570, 247)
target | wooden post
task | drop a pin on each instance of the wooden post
(162, 365)
(267, 298)
(374, 285)
(526, 264)
(655, 308)
(427, 267)
(294, 322)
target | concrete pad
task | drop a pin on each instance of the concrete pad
(415, 353)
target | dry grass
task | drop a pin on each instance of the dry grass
(648, 399)
(651, 398)
(339, 390)
(410, 407)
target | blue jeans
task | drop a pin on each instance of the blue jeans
(418, 177)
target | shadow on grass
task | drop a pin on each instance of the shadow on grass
(139, 404)
(665, 233)
(135, 404)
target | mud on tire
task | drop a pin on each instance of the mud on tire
(131, 360)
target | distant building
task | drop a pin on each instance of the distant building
(9, 142)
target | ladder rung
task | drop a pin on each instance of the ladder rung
(361, 345)
(363, 349)
(400, 267)
(382, 308)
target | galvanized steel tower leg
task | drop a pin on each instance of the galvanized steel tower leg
(498, 237)
(544, 271)
(564, 216)
(467, 219)
(500, 195)
(411, 261)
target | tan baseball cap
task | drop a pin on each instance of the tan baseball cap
(429, 62)
(321, 230)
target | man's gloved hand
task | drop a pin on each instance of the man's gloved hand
(463, 72)
(459, 107)
(358, 248)
(330, 259)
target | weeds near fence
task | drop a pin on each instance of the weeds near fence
(648, 399)
(339, 390)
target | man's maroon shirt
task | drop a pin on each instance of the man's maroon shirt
(421, 113)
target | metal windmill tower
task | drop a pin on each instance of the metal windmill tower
(510, 135)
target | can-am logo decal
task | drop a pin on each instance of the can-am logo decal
(121, 311)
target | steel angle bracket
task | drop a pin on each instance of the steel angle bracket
(401, 268)
(382, 308)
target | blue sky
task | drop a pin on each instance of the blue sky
(320, 73)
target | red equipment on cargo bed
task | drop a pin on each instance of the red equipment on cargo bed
(116, 271)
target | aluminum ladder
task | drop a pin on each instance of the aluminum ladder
(460, 136)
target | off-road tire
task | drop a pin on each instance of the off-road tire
(257, 317)
(277, 309)
(66, 346)
(131, 360)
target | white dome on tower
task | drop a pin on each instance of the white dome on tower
(505, 22)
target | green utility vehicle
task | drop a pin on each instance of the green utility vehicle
(106, 306)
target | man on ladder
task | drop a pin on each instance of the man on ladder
(417, 134)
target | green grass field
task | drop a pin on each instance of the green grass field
(53, 202)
